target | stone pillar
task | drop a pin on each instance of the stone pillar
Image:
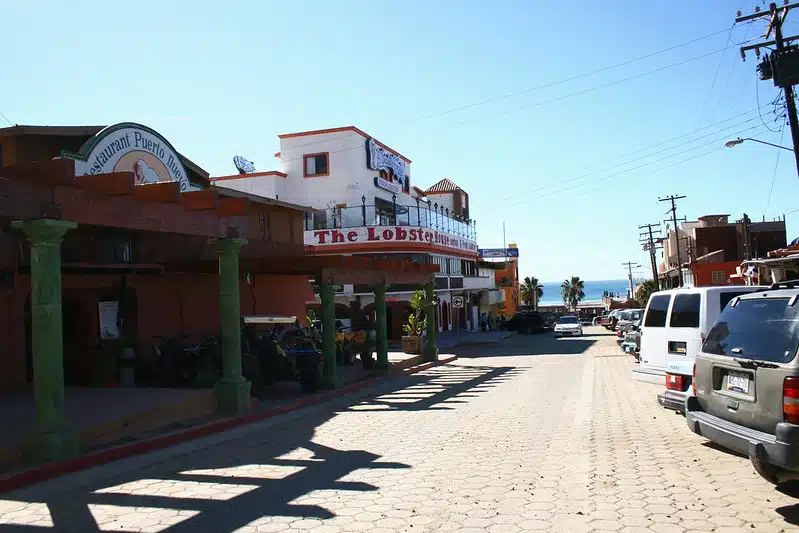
(430, 345)
(53, 437)
(232, 391)
(381, 328)
(328, 298)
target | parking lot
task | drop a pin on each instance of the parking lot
(529, 434)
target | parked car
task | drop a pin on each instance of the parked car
(526, 322)
(675, 325)
(746, 382)
(628, 318)
(586, 321)
(549, 318)
(632, 342)
(569, 325)
(609, 320)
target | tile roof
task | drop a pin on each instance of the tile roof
(445, 185)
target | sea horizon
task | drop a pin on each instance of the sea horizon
(594, 289)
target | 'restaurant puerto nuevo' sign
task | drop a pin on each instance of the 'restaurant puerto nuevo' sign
(129, 147)
(388, 234)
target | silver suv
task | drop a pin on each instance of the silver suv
(746, 381)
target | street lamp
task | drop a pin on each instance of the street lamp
(736, 142)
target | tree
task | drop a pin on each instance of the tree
(645, 291)
(531, 290)
(572, 291)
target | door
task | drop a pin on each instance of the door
(444, 316)
(653, 334)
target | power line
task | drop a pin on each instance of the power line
(774, 176)
(673, 199)
(6, 119)
(560, 82)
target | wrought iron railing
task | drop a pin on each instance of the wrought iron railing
(423, 216)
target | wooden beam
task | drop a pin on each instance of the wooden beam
(198, 200)
(59, 171)
(232, 207)
(112, 184)
(164, 192)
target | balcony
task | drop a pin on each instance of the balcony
(388, 214)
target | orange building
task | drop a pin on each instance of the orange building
(507, 279)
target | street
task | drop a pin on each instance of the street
(529, 434)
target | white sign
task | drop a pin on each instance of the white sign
(130, 147)
(244, 166)
(378, 158)
(387, 185)
(457, 301)
(109, 327)
(388, 234)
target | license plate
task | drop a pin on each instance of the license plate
(737, 382)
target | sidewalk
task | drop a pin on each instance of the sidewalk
(447, 340)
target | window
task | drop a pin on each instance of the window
(765, 329)
(717, 277)
(316, 165)
(727, 297)
(656, 313)
(407, 186)
(685, 312)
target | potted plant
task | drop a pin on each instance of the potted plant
(413, 328)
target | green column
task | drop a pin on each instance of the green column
(430, 346)
(232, 391)
(381, 330)
(328, 298)
(53, 437)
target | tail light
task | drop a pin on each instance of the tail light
(676, 382)
(693, 380)
(790, 400)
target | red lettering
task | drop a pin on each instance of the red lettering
(401, 234)
(371, 235)
(352, 236)
(412, 235)
(428, 236)
(321, 235)
(337, 236)
(388, 235)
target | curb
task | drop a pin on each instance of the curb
(68, 466)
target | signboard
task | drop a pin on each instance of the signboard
(388, 234)
(387, 185)
(109, 327)
(129, 147)
(457, 302)
(244, 166)
(491, 253)
(378, 158)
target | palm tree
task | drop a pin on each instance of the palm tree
(531, 290)
(572, 291)
(645, 291)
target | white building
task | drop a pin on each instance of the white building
(368, 204)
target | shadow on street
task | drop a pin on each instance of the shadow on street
(254, 475)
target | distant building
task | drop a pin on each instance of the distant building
(711, 248)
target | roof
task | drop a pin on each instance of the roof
(251, 175)
(342, 128)
(233, 193)
(444, 185)
(76, 131)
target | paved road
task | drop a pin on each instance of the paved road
(532, 434)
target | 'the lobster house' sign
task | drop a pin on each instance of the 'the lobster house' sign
(388, 234)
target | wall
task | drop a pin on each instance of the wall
(710, 239)
(269, 185)
(703, 273)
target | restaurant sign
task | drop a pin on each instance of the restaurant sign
(129, 147)
(493, 253)
(388, 234)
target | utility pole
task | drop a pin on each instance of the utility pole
(673, 199)
(649, 244)
(630, 265)
(781, 65)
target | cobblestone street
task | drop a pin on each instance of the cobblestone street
(529, 434)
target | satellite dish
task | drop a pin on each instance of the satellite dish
(244, 166)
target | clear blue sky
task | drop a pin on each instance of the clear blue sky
(223, 79)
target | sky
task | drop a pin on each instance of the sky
(467, 89)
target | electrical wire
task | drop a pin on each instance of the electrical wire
(590, 89)
(757, 95)
(6, 119)
(713, 83)
(774, 176)
(560, 82)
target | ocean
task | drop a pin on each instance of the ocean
(593, 290)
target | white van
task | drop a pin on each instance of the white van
(675, 325)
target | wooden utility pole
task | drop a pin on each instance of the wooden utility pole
(649, 244)
(630, 265)
(673, 199)
(781, 65)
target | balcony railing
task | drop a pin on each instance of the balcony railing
(421, 216)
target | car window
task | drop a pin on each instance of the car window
(727, 297)
(761, 329)
(656, 312)
(568, 320)
(685, 311)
